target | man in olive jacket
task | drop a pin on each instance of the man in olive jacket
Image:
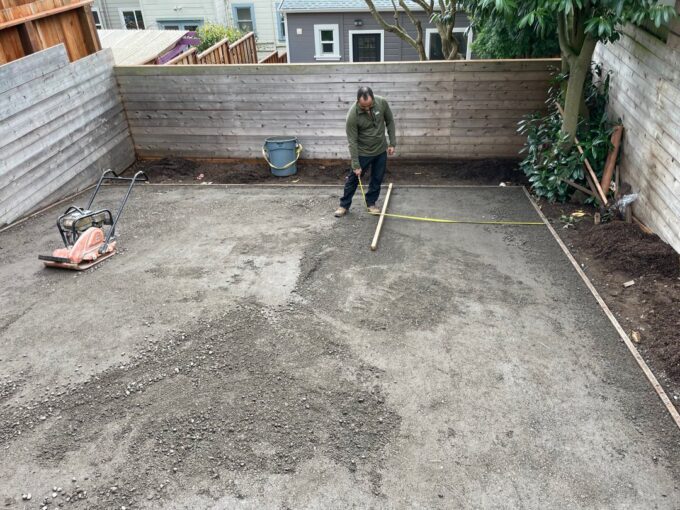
(366, 123)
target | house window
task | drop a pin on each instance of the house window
(244, 17)
(188, 25)
(97, 18)
(366, 45)
(132, 20)
(327, 42)
(280, 26)
(433, 43)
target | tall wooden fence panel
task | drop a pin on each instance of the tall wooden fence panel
(466, 109)
(645, 94)
(61, 125)
(27, 27)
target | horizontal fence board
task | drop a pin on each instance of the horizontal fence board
(57, 130)
(645, 94)
(32, 67)
(441, 109)
(318, 116)
(515, 65)
(19, 98)
(437, 107)
(22, 150)
(59, 152)
(140, 86)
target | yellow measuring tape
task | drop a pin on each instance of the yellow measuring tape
(440, 220)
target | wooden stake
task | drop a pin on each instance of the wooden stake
(595, 184)
(611, 158)
(579, 187)
(374, 244)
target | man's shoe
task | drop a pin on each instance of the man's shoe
(340, 212)
(374, 209)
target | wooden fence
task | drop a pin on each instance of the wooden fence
(466, 109)
(242, 51)
(645, 94)
(30, 26)
(275, 58)
(61, 124)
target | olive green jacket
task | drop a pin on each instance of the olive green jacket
(366, 130)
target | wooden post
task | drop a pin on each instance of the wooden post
(90, 35)
(611, 158)
(30, 40)
(595, 184)
(374, 244)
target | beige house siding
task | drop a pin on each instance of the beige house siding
(216, 11)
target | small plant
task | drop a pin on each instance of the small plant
(550, 160)
(211, 33)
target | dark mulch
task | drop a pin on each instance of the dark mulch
(244, 171)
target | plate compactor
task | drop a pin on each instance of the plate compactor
(86, 240)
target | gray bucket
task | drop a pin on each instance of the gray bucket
(282, 153)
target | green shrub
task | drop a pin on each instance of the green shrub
(211, 33)
(547, 163)
(501, 41)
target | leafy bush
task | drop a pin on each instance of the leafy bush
(211, 33)
(547, 163)
(493, 40)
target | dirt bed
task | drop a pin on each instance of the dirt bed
(178, 170)
(615, 253)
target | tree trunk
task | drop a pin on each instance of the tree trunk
(572, 102)
(577, 52)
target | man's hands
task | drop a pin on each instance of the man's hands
(391, 151)
(357, 172)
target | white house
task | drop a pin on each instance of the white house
(260, 16)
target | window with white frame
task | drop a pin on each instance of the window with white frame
(433, 43)
(97, 18)
(244, 17)
(132, 19)
(327, 42)
(280, 25)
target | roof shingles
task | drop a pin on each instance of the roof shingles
(337, 5)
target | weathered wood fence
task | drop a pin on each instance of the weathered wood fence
(61, 124)
(242, 51)
(275, 58)
(28, 26)
(645, 94)
(466, 109)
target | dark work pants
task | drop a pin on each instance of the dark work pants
(377, 165)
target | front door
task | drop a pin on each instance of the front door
(366, 48)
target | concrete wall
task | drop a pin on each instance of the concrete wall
(302, 46)
(645, 94)
(61, 125)
(466, 109)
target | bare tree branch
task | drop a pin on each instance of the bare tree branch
(397, 29)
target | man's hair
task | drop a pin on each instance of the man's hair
(364, 93)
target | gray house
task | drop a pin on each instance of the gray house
(345, 31)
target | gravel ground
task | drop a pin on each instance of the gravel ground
(247, 350)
